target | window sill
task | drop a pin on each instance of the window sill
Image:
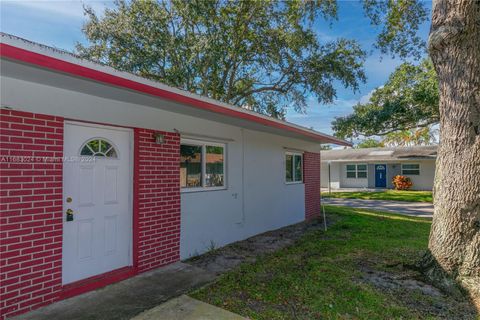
(295, 182)
(206, 189)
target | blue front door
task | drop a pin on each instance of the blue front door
(380, 176)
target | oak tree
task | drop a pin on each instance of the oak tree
(261, 55)
(454, 245)
(369, 143)
(407, 101)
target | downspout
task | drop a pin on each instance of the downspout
(329, 185)
(321, 201)
(243, 176)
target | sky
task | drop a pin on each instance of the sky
(58, 23)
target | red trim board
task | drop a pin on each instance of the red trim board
(96, 282)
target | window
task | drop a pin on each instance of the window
(98, 147)
(356, 171)
(411, 169)
(361, 171)
(202, 165)
(293, 167)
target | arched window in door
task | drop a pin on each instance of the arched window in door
(98, 147)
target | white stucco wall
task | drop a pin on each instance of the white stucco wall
(334, 175)
(339, 179)
(424, 181)
(349, 182)
(324, 174)
(256, 199)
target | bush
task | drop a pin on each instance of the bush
(402, 182)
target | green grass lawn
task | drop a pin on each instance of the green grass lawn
(412, 196)
(320, 277)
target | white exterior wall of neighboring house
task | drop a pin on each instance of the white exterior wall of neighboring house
(351, 182)
(334, 175)
(338, 176)
(324, 174)
(256, 199)
(423, 181)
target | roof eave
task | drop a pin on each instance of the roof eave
(138, 84)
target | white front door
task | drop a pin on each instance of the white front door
(97, 205)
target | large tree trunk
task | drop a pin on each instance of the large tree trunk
(454, 246)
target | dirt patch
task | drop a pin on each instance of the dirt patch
(407, 287)
(226, 258)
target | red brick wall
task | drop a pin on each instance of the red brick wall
(311, 165)
(31, 221)
(158, 186)
(31, 210)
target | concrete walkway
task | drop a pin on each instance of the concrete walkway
(186, 308)
(158, 294)
(418, 209)
(128, 298)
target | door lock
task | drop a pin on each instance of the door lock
(69, 215)
(69, 199)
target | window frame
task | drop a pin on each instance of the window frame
(410, 174)
(203, 144)
(356, 170)
(105, 156)
(293, 154)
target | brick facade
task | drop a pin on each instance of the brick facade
(158, 199)
(31, 210)
(31, 220)
(311, 167)
(31, 217)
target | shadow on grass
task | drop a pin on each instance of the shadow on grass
(386, 215)
(393, 195)
(356, 269)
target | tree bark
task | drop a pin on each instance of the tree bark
(454, 245)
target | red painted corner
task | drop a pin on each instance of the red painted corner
(311, 168)
(136, 177)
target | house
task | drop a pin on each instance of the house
(376, 167)
(106, 175)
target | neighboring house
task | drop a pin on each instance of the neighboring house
(106, 175)
(376, 167)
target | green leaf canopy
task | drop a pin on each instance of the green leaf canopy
(408, 100)
(262, 55)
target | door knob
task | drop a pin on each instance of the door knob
(69, 215)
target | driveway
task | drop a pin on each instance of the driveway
(418, 209)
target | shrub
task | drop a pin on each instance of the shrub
(402, 182)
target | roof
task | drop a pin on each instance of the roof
(381, 154)
(13, 48)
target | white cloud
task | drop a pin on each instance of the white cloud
(319, 116)
(365, 98)
(380, 67)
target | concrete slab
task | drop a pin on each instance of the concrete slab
(128, 298)
(418, 209)
(186, 308)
